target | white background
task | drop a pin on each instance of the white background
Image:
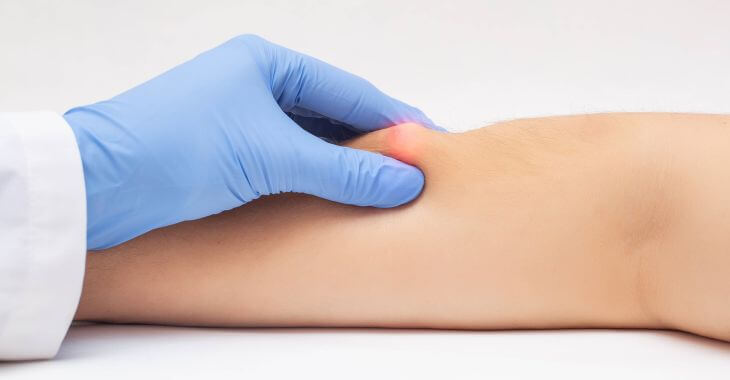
(465, 63)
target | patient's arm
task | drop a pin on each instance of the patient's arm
(617, 220)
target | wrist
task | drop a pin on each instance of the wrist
(109, 157)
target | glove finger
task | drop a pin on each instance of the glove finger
(304, 85)
(356, 177)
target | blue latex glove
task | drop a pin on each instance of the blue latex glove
(225, 128)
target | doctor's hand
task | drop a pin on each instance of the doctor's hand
(232, 124)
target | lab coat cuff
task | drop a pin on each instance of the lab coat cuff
(43, 260)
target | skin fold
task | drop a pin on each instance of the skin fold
(605, 220)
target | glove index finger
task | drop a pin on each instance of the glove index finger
(304, 84)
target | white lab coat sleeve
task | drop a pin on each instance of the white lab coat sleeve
(42, 233)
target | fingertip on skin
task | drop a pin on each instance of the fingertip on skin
(399, 184)
(405, 146)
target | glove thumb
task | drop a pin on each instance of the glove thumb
(356, 177)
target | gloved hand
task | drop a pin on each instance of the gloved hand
(218, 131)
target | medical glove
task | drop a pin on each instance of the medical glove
(245, 119)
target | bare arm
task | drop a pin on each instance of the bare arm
(585, 221)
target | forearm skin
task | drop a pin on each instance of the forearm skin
(613, 220)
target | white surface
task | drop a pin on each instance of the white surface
(465, 64)
(124, 352)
